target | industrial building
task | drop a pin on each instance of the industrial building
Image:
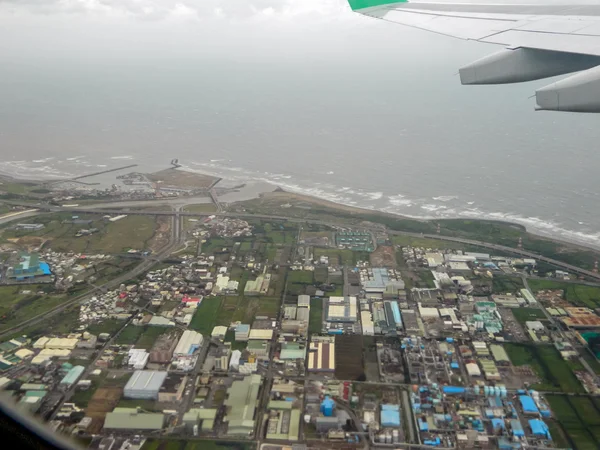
(125, 419)
(242, 332)
(259, 348)
(144, 384)
(189, 343)
(283, 425)
(303, 301)
(28, 268)
(138, 358)
(341, 309)
(321, 355)
(72, 376)
(261, 335)
(241, 403)
(200, 418)
(260, 286)
(390, 416)
(292, 350)
(172, 388)
(163, 348)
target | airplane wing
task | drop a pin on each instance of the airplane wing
(542, 38)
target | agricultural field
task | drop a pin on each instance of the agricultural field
(578, 420)
(315, 321)
(110, 326)
(200, 208)
(555, 373)
(348, 364)
(140, 336)
(19, 303)
(577, 294)
(501, 284)
(301, 276)
(205, 317)
(341, 257)
(528, 314)
(196, 444)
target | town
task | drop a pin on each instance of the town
(272, 332)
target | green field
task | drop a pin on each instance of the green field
(502, 284)
(315, 321)
(148, 405)
(196, 444)
(17, 307)
(528, 314)
(578, 294)
(140, 336)
(301, 276)
(110, 326)
(555, 373)
(406, 241)
(113, 237)
(579, 419)
(201, 208)
(205, 317)
(591, 360)
(337, 256)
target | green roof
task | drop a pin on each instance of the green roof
(242, 402)
(279, 404)
(130, 419)
(499, 353)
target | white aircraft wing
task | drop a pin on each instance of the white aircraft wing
(542, 39)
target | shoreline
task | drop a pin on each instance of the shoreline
(248, 191)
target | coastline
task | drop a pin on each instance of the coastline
(255, 189)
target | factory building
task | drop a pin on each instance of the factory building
(341, 309)
(189, 343)
(172, 388)
(260, 286)
(321, 355)
(138, 358)
(303, 301)
(393, 316)
(204, 418)
(528, 296)
(242, 332)
(259, 348)
(72, 376)
(28, 268)
(390, 416)
(125, 419)
(283, 425)
(144, 384)
(366, 320)
(163, 348)
(241, 404)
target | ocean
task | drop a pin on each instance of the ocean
(346, 124)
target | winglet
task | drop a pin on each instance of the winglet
(362, 4)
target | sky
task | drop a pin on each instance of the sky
(93, 30)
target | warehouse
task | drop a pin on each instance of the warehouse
(162, 350)
(321, 356)
(303, 301)
(341, 309)
(390, 415)
(259, 348)
(172, 388)
(500, 354)
(188, 344)
(203, 417)
(261, 335)
(241, 403)
(144, 384)
(126, 419)
(242, 332)
(138, 358)
(72, 376)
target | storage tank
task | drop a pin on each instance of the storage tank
(395, 436)
(195, 430)
(381, 438)
(388, 437)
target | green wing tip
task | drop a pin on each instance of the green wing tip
(361, 4)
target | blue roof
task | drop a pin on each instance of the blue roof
(423, 426)
(539, 427)
(498, 423)
(453, 390)
(396, 313)
(390, 415)
(454, 365)
(327, 402)
(528, 404)
(44, 267)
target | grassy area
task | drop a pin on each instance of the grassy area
(579, 418)
(205, 317)
(337, 256)
(315, 321)
(111, 237)
(140, 336)
(527, 314)
(110, 326)
(19, 303)
(578, 294)
(301, 276)
(502, 284)
(196, 444)
(411, 241)
(555, 373)
(201, 208)
(591, 360)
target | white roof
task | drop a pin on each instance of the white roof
(256, 333)
(219, 331)
(473, 369)
(188, 340)
(428, 312)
